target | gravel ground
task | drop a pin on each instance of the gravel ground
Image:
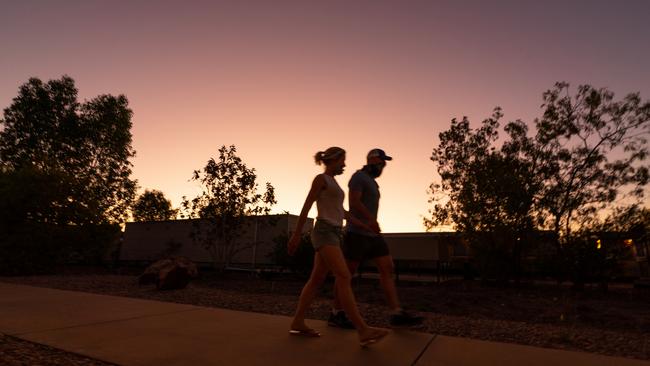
(14, 352)
(616, 323)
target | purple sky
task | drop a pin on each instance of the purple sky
(282, 80)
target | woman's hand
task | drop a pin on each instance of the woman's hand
(374, 227)
(292, 244)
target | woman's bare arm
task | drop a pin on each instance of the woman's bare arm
(317, 185)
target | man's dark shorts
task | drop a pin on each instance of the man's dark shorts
(358, 247)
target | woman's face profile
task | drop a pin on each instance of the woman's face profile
(338, 165)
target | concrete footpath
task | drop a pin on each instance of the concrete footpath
(129, 331)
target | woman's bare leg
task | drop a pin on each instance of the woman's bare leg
(352, 267)
(309, 291)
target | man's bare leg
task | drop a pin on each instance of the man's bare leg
(386, 270)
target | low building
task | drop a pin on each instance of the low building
(149, 241)
(434, 253)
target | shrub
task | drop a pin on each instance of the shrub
(303, 259)
(35, 248)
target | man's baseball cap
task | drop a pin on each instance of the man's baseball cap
(378, 153)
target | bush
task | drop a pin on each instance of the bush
(303, 259)
(90, 244)
(33, 248)
(37, 224)
(593, 258)
(30, 249)
(499, 254)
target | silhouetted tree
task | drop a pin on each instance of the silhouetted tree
(46, 129)
(153, 206)
(559, 179)
(229, 196)
(485, 192)
(64, 176)
(575, 140)
(30, 204)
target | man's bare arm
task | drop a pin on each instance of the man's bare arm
(357, 205)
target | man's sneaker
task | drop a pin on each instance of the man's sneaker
(340, 320)
(403, 319)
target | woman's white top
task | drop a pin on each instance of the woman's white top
(330, 202)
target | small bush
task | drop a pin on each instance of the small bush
(303, 259)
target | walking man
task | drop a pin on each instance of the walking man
(361, 243)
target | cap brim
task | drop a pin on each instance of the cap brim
(388, 158)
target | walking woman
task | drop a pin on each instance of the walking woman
(326, 239)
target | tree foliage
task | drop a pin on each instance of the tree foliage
(484, 192)
(64, 176)
(588, 149)
(32, 203)
(153, 206)
(230, 195)
(481, 187)
(586, 154)
(87, 144)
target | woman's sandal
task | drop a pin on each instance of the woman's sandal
(374, 338)
(313, 333)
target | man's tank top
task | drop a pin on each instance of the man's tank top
(330, 202)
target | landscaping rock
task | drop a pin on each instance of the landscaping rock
(170, 273)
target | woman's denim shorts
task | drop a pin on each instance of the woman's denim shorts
(325, 233)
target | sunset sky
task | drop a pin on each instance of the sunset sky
(284, 79)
